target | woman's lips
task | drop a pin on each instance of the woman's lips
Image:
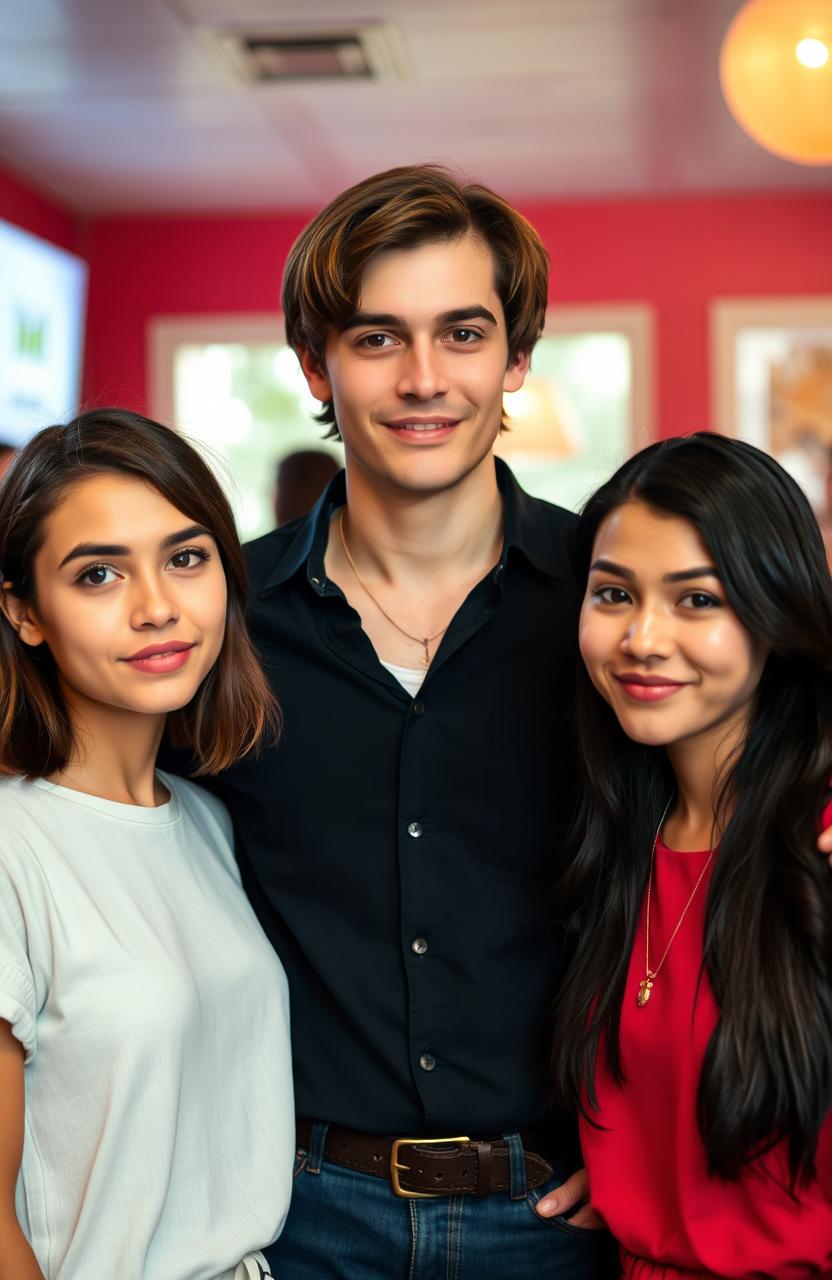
(158, 659)
(648, 688)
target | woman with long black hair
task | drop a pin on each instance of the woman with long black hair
(694, 1031)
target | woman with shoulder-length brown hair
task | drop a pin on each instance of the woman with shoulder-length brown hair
(145, 1085)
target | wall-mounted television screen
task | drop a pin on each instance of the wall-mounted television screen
(43, 293)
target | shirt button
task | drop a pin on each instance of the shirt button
(418, 708)
(415, 830)
(419, 946)
(316, 582)
(427, 1062)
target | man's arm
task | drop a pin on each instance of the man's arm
(17, 1262)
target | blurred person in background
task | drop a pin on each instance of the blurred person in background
(300, 479)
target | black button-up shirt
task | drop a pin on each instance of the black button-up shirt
(399, 851)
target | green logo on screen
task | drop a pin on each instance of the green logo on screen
(30, 339)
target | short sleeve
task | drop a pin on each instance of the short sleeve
(18, 1002)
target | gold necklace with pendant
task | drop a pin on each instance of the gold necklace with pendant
(646, 984)
(424, 641)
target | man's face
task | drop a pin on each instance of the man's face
(418, 374)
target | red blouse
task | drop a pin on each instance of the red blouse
(647, 1168)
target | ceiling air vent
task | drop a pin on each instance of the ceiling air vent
(372, 52)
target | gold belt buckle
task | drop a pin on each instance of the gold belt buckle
(395, 1167)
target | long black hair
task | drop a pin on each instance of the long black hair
(767, 1073)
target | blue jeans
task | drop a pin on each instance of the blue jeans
(345, 1225)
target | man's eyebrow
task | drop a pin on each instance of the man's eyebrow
(86, 549)
(373, 319)
(467, 313)
(684, 575)
(386, 319)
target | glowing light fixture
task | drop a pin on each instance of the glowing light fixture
(776, 74)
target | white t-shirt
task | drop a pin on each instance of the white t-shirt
(410, 678)
(154, 1016)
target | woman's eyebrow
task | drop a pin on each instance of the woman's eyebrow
(609, 566)
(701, 571)
(85, 549)
(94, 549)
(191, 531)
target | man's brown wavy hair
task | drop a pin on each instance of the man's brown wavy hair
(405, 208)
(233, 711)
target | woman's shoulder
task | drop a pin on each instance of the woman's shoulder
(201, 805)
(23, 805)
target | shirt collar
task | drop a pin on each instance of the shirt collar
(308, 543)
(526, 529)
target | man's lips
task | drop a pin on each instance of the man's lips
(166, 656)
(648, 688)
(422, 430)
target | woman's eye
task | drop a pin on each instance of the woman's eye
(188, 558)
(97, 575)
(700, 600)
(611, 595)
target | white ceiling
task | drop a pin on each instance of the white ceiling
(118, 105)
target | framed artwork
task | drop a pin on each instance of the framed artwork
(772, 382)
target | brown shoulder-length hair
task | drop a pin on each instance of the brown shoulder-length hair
(405, 208)
(233, 712)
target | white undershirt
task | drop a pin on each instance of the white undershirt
(410, 678)
(154, 1017)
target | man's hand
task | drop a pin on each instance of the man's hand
(575, 1191)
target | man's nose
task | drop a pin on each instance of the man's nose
(423, 374)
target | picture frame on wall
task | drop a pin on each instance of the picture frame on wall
(771, 361)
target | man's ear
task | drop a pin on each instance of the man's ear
(315, 375)
(20, 616)
(516, 372)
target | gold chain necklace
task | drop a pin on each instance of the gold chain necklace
(646, 984)
(424, 641)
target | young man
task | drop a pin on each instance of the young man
(400, 844)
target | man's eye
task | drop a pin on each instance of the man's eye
(465, 336)
(97, 575)
(188, 558)
(375, 341)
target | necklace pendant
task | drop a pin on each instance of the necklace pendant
(427, 653)
(644, 989)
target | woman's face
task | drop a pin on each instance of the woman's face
(660, 642)
(130, 597)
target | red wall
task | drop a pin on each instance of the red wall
(675, 254)
(28, 208)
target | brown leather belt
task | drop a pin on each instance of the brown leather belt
(420, 1167)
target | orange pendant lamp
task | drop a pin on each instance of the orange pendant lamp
(775, 69)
